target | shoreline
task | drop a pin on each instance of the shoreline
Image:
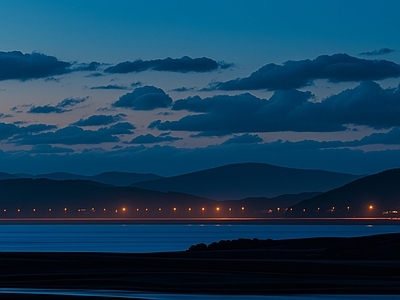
(362, 265)
(174, 221)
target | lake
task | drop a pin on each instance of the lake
(139, 238)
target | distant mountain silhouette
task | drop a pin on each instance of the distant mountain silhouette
(366, 197)
(6, 176)
(237, 181)
(113, 178)
(43, 194)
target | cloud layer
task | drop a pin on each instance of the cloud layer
(16, 65)
(61, 107)
(298, 74)
(144, 98)
(367, 104)
(181, 65)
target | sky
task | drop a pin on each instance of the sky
(171, 87)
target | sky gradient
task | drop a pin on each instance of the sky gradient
(170, 87)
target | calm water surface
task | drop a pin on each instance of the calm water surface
(157, 296)
(134, 238)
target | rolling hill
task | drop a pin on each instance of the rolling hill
(237, 181)
(113, 178)
(365, 197)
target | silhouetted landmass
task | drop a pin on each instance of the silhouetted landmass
(243, 180)
(377, 247)
(370, 196)
(362, 265)
(113, 178)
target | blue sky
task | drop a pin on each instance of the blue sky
(175, 86)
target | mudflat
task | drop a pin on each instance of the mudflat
(362, 265)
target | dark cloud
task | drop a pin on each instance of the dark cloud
(391, 137)
(243, 139)
(136, 84)
(144, 98)
(381, 51)
(99, 120)
(151, 139)
(367, 104)
(109, 87)
(61, 107)
(93, 66)
(181, 65)
(16, 65)
(183, 89)
(49, 149)
(3, 116)
(119, 128)
(71, 135)
(298, 74)
(9, 130)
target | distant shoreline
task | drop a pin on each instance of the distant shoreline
(166, 221)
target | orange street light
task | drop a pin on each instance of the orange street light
(371, 207)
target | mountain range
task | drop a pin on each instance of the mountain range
(237, 181)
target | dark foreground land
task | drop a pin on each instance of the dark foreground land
(363, 265)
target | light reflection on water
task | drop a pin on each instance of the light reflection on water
(159, 296)
(134, 238)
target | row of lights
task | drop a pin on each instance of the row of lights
(124, 209)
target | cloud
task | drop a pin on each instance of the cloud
(49, 149)
(99, 120)
(93, 66)
(243, 139)
(9, 130)
(119, 128)
(183, 89)
(181, 65)
(3, 116)
(71, 135)
(61, 107)
(381, 51)
(151, 139)
(109, 87)
(19, 66)
(367, 104)
(144, 98)
(298, 74)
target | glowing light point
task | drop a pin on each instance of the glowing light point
(174, 208)
(230, 208)
(18, 210)
(137, 209)
(116, 211)
(217, 208)
(147, 209)
(371, 207)
(278, 208)
(304, 210)
(159, 209)
(189, 209)
(50, 209)
(203, 209)
(123, 209)
(65, 209)
(242, 208)
(5, 210)
(33, 209)
(104, 209)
